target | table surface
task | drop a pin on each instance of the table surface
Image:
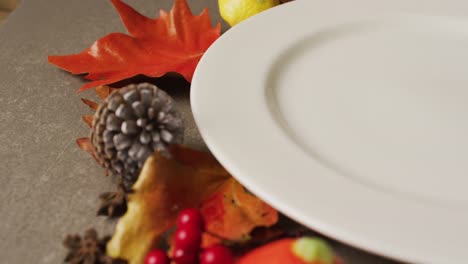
(49, 187)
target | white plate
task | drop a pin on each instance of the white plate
(350, 117)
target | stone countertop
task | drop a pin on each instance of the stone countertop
(48, 186)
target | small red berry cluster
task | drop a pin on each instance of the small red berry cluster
(187, 244)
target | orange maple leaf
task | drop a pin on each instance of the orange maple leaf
(233, 212)
(174, 42)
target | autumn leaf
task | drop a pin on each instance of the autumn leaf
(166, 186)
(174, 42)
(88, 119)
(103, 91)
(233, 213)
(85, 143)
(93, 105)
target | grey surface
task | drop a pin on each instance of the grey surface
(48, 186)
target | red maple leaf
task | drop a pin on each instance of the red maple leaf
(174, 42)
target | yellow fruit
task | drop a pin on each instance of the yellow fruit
(235, 11)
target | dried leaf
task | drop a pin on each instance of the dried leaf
(174, 42)
(103, 91)
(88, 120)
(164, 187)
(93, 105)
(85, 144)
(233, 213)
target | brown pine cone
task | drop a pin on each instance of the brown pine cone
(130, 125)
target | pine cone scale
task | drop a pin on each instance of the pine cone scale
(129, 127)
(113, 123)
(138, 108)
(131, 96)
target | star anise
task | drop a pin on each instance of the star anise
(88, 250)
(113, 204)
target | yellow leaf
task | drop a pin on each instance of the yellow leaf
(164, 187)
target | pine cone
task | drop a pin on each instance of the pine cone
(130, 125)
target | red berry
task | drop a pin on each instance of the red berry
(191, 217)
(157, 256)
(183, 256)
(188, 237)
(217, 254)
